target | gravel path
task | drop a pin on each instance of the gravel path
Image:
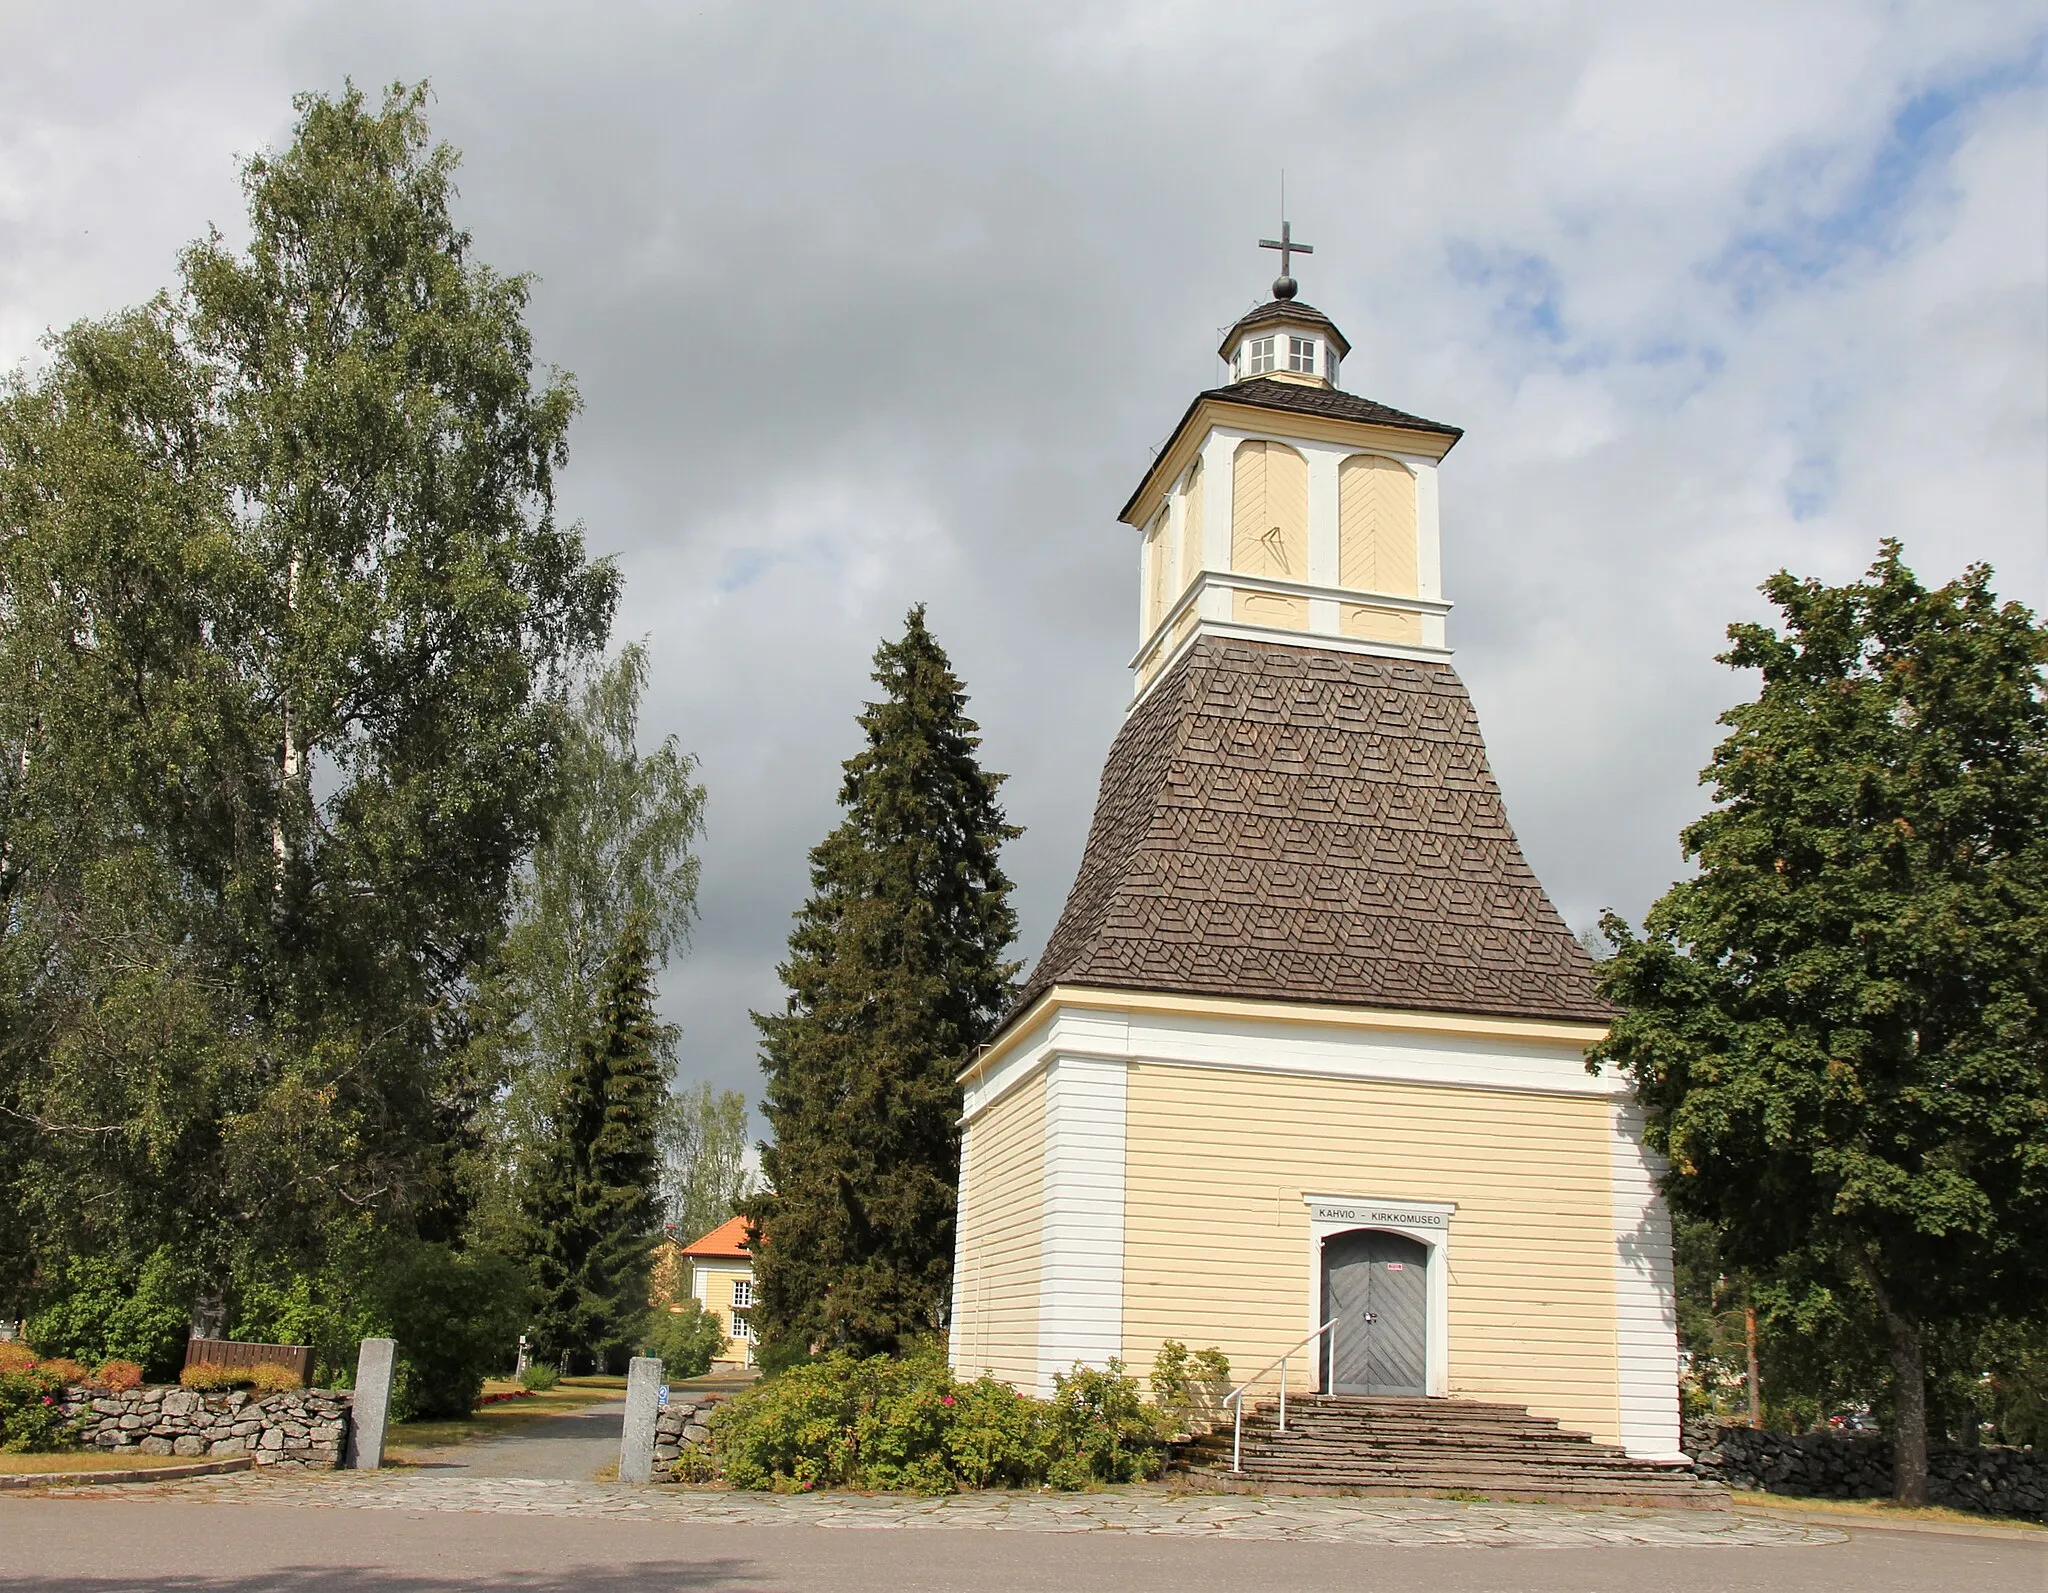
(572, 1447)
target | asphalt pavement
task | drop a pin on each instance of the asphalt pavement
(125, 1543)
(573, 1447)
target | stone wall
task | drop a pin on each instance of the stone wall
(679, 1426)
(304, 1427)
(2006, 1482)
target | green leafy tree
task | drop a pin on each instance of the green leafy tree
(594, 1204)
(684, 1338)
(896, 973)
(285, 613)
(1840, 1025)
(619, 848)
(704, 1159)
(105, 1309)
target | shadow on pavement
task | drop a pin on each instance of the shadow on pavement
(709, 1573)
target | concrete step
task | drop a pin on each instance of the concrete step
(1381, 1445)
(1263, 1458)
(1536, 1491)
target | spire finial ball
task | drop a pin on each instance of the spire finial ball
(1285, 287)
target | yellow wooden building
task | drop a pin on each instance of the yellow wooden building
(1307, 1044)
(722, 1280)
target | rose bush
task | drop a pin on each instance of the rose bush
(32, 1411)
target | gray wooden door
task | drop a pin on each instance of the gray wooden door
(1376, 1285)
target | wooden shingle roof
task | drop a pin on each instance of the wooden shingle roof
(1294, 823)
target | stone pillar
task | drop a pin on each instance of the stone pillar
(643, 1407)
(372, 1402)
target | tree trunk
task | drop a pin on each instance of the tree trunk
(1756, 1392)
(1909, 1403)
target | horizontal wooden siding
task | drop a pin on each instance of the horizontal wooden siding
(1217, 1238)
(1001, 1221)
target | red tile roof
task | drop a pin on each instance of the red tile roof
(726, 1242)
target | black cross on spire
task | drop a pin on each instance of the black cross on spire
(1284, 285)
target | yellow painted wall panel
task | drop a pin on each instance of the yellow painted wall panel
(1159, 572)
(1270, 608)
(1365, 621)
(1001, 1221)
(1269, 512)
(1218, 1246)
(1191, 530)
(1376, 549)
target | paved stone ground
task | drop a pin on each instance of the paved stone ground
(1136, 1512)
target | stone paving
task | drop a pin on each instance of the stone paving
(1158, 1511)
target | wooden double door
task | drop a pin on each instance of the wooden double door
(1376, 1286)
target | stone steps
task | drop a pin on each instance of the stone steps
(1347, 1444)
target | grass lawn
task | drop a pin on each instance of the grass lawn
(508, 1416)
(1881, 1510)
(90, 1460)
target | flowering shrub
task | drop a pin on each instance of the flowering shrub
(32, 1411)
(15, 1356)
(264, 1378)
(117, 1377)
(840, 1422)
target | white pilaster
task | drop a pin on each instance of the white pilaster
(1219, 468)
(1645, 1296)
(961, 1260)
(1081, 1247)
(1429, 551)
(1322, 513)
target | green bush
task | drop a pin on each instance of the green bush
(685, 1339)
(776, 1356)
(111, 1308)
(1103, 1429)
(1190, 1386)
(538, 1379)
(840, 1422)
(455, 1315)
(32, 1413)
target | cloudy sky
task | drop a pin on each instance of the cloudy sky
(877, 304)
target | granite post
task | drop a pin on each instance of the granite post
(373, 1402)
(643, 1407)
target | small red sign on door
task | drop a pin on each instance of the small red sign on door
(1397, 1266)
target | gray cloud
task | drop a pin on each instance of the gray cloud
(873, 305)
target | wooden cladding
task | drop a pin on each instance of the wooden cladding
(1191, 529)
(1376, 526)
(1269, 530)
(297, 1358)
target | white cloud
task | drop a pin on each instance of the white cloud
(877, 304)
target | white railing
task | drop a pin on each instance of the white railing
(1235, 1398)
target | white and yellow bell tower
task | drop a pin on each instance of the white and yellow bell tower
(1308, 1017)
(1283, 506)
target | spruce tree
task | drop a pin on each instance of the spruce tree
(593, 1201)
(896, 973)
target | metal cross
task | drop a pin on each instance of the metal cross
(1287, 247)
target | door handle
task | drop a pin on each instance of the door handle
(1368, 1318)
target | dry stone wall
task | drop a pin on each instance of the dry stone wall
(1991, 1480)
(306, 1428)
(678, 1427)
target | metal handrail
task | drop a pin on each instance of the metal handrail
(1235, 1398)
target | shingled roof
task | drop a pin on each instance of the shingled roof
(1301, 824)
(1266, 393)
